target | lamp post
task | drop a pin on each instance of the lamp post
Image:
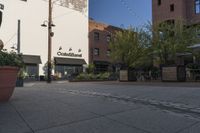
(18, 36)
(50, 35)
(16, 47)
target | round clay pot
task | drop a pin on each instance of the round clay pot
(8, 77)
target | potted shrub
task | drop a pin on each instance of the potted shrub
(10, 64)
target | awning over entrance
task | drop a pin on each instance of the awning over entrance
(31, 59)
(101, 63)
(69, 61)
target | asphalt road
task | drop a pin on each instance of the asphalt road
(103, 107)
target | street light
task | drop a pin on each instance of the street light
(45, 25)
(50, 35)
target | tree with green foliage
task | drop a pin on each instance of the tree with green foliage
(131, 47)
(45, 67)
(172, 38)
(90, 68)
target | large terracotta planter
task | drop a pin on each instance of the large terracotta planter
(8, 77)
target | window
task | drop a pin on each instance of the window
(96, 51)
(159, 2)
(108, 38)
(197, 6)
(172, 7)
(32, 70)
(96, 36)
(108, 52)
(170, 22)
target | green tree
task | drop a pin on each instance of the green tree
(90, 68)
(45, 67)
(131, 47)
(172, 38)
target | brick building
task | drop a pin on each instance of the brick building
(171, 10)
(99, 52)
(187, 11)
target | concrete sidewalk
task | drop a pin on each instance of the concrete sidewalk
(99, 108)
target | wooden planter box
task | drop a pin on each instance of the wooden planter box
(127, 75)
(173, 73)
(123, 75)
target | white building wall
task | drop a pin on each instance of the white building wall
(71, 29)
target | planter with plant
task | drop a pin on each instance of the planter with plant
(10, 64)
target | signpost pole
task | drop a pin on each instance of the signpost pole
(49, 41)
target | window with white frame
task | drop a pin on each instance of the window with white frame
(108, 52)
(96, 51)
(108, 38)
(96, 35)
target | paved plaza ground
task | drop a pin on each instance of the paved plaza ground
(102, 107)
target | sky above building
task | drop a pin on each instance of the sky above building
(121, 13)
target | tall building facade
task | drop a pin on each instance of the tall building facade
(100, 35)
(171, 10)
(70, 40)
(187, 11)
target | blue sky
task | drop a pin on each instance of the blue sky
(121, 13)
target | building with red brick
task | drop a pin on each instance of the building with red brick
(172, 10)
(100, 35)
(187, 11)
